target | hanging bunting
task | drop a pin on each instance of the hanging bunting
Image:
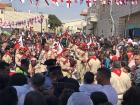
(94, 2)
(75, 1)
(81, 1)
(117, 2)
(37, 2)
(134, 2)
(55, 2)
(22, 1)
(62, 0)
(68, 2)
(88, 2)
(103, 2)
(108, 2)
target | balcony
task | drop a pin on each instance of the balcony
(92, 18)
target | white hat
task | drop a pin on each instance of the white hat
(79, 98)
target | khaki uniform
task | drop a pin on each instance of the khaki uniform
(39, 68)
(121, 83)
(93, 65)
(18, 59)
(81, 62)
(7, 58)
(52, 54)
(65, 66)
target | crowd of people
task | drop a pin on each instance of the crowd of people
(69, 70)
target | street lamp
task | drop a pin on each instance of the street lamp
(41, 22)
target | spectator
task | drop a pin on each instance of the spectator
(88, 87)
(65, 83)
(8, 96)
(98, 98)
(4, 67)
(4, 81)
(131, 97)
(65, 96)
(103, 78)
(52, 100)
(137, 71)
(18, 80)
(34, 98)
(79, 98)
(54, 73)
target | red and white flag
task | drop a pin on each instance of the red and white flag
(81, 1)
(22, 1)
(134, 2)
(88, 2)
(68, 2)
(20, 41)
(60, 49)
(55, 2)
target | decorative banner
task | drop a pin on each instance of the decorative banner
(89, 2)
(28, 22)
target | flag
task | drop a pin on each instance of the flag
(37, 2)
(117, 2)
(103, 2)
(94, 2)
(75, 1)
(81, 1)
(88, 3)
(134, 2)
(55, 2)
(20, 41)
(68, 2)
(60, 49)
(88, 44)
(22, 1)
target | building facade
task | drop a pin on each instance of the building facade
(8, 14)
(125, 17)
(74, 26)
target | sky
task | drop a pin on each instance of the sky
(61, 11)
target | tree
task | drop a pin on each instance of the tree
(54, 22)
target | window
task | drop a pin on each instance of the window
(2, 11)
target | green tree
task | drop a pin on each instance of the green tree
(54, 22)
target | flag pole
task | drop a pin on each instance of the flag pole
(113, 23)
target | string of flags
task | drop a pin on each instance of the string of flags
(88, 2)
